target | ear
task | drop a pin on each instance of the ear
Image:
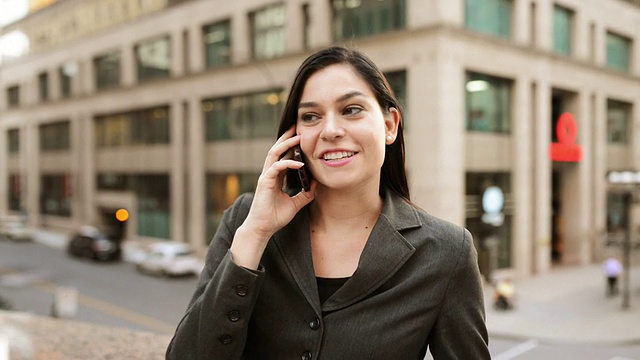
(391, 123)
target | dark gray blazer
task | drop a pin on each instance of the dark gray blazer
(417, 285)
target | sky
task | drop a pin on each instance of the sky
(12, 10)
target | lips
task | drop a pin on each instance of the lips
(337, 155)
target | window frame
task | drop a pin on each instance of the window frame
(227, 40)
(108, 77)
(473, 20)
(269, 34)
(371, 17)
(621, 40)
(559, 10)
(145, 73)
(500, 84)
(626, 129)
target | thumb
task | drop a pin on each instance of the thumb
(303, 198)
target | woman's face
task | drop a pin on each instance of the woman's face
(343, 129)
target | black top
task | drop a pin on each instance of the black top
(328, 286)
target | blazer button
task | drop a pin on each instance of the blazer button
(242, 290)
(225, 339)
(314, 324)
(306, 355)
(233, 315)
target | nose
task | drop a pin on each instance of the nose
(332, 128)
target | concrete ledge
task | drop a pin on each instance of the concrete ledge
(36, 337)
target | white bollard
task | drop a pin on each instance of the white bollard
(65, 302)
(4, 348)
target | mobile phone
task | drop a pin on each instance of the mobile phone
(303, 172)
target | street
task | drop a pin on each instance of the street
(115, 294)
(112, 294)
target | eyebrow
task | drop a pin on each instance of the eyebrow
(349, 95)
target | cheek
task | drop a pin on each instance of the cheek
(308, 140)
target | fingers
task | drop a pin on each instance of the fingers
(303, 198)
(277, 170)
(281, 146)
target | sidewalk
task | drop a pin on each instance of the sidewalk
(568, 305)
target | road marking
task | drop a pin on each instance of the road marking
(517, 350)
(620, 358)
(114, 310)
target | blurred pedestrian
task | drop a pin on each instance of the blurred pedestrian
(504, 293)
(347, 268)
(612, 270)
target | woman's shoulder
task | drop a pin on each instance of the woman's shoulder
(239, 210)
(440, 229)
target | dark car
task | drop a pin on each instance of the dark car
(92, 243)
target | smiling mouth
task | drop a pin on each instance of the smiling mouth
(338, 155)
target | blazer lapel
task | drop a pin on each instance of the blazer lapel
(385, 252)
(294, 244)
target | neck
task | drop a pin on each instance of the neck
(344, 209)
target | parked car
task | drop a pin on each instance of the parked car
(15, 228)
(171, 259)
(91, 243)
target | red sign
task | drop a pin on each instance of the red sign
(566, 149)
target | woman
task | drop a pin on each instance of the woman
(349, 269)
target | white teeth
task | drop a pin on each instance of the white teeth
(338, 155)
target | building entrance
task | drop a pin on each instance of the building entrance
(565, 226)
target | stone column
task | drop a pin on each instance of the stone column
(599, 165)
(435, 146)
(542, 178)
(177, 120)
(522, 176)
(196, 173)
(128, 65)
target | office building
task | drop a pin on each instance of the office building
(516, 112)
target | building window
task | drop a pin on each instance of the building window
(618, 52)
(618, 212)
(55, 194)
(489, 17)
(217, 43)
(268, 32)
(13, 96)
(55, 137)
(352, 19)
(154, 59)
(13, 141)
(618, 120)
(243, 117)
(141, 127)
(398, 82)
(488, 103)
(67, 72)
(107, 70)
(490, 221)
(562, 30)
(43, 86)
(152, 196)
(14, 195)
(222, 190)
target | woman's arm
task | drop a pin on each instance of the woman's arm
(216, 322)
(460, 331)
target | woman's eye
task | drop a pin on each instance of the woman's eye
(352, 110)
(308, 117)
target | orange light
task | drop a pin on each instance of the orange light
(122, 215)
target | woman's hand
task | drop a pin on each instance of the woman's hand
(272, 208)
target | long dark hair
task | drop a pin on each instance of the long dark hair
(393, 176)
